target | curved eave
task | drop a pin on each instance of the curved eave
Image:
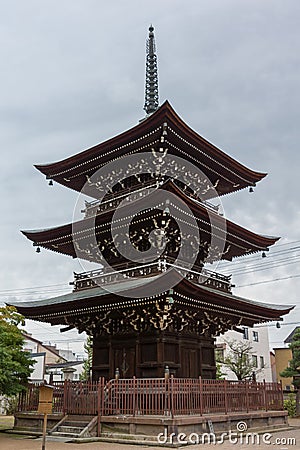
(240, 240)
(214, 151)
(259, 242)
(195, 296)
(262, 310)
(71, 171)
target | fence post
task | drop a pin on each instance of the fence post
(134, 396)
(100, 396)
(65, 407)
(117, 393)
(225, 396)
(281, 395)
(265, 395)
(247, 395)
(201, 395)
(171, 394)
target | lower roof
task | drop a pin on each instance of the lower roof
(131, 293)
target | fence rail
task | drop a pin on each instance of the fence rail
(157, 396)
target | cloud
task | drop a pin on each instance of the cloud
(72, 76)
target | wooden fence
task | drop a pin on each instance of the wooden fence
(157, 396)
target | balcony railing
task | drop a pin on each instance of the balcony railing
(136, 191)
(99, 277)
(113, 200)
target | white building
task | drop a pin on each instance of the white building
(258, 338)
(51, 363)
(70, 370)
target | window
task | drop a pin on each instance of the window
(246, 333)
(255, 336)
(262, 362)
(254, 360)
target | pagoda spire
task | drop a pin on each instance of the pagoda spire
(151, 86)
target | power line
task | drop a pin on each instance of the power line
(268, 266)
(269, 281)
(249, 258)
(36, 293)
(236, 264)
(272, 256)
(31, 288)
(239, 267)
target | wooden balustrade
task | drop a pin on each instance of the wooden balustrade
(198, 275)
(157, 396)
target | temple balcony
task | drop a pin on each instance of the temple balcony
(136, 191)
(100, 277)
(112, 201)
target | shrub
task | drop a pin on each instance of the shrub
(290, 405)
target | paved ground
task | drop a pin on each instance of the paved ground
(283, 440)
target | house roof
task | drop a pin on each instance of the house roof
(65, 364)
(289, 339)
(49, 348)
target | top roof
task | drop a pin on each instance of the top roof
(224, 172)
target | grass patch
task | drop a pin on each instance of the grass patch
(6, 422)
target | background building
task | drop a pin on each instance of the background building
(258, 338)
(52, 364)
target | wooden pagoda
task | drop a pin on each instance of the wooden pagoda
(137, 325)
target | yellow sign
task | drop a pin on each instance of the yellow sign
(45, 400)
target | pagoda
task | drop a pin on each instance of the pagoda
(153, 229)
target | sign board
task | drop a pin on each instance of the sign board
(45, 399)
(45, 408)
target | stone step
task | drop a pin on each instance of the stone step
(64, 434)
(75, 423)
(131, 437)
(69, 429)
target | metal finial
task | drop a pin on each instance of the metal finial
(151, 87)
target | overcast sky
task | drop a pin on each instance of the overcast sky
(72, 75)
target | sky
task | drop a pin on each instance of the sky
(72, 75)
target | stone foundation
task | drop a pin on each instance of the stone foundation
(161, 429)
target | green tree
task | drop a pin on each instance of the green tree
(239, 359)
(219, 374)
(15, 363)
(293, 370)
(87, 365)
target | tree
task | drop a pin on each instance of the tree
(15, 363)
(87, 365)
(293, 370)
(219, 374)
(239, 359)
